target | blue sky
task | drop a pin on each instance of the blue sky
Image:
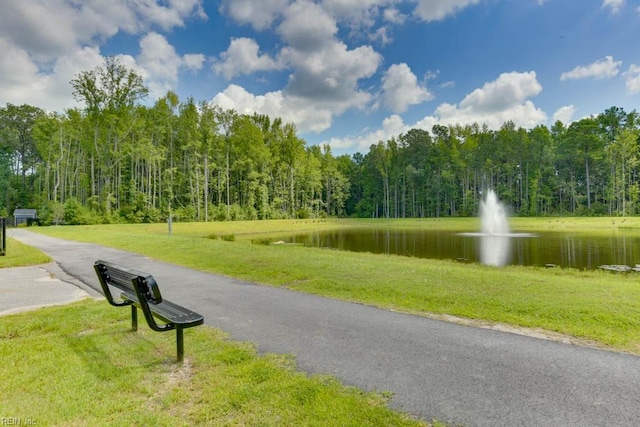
(348, 73)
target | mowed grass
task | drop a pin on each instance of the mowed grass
(20, 255)
(81, 365)
(594, 306)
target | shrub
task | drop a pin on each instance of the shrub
(303, 214)
(74, 213)
(184, 214)
(236, 212)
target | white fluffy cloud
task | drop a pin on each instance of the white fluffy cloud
(509, 90)
(504, 99)
(325, 76)
(307, 116)
(391, 126)
(50, 28)
(437, 10)
(159, 64)
(326, 71)
(46, 43)
(263, 14)
(632, 79)
(307, 26)
(363, 14)
(401, 88)
(259, 14)
(600, 69)
(564, 114)
(331, 74)
(614, 5)
(394, 16)
(24, 83)
(243, 57)
(525, 115)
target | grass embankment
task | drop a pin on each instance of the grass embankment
(596, 305)
(20, 255)
(81, 365)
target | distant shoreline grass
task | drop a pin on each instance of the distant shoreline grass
(592, 306)
(81, 365)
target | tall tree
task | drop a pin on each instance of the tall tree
(585, 144)
(17, 123)
(624, 154)
(109, 92)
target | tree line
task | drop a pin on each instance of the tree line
(116, 160)
(589, 167)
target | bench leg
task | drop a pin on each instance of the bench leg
(180, 343)
(134, 318)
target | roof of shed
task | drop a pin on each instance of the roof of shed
(21, 212)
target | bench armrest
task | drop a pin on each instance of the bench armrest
(147, 288)
(101, 272)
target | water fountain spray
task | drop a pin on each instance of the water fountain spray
(493, 216)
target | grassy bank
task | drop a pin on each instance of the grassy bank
(19, 255)
(596, 305)
(81, 365)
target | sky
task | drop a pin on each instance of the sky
(347, 73)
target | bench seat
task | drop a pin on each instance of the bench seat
(169, 312)
(140, 291)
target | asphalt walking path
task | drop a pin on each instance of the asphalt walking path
(433, 369)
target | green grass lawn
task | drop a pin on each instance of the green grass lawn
(593, 306)
(81, 365)
(19, 255)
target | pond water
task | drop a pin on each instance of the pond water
(562, 249)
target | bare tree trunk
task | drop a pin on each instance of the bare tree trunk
(586, 166)
(206, 187)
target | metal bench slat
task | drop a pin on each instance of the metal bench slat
(140, 290)
(170, 312)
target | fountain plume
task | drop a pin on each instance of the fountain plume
(494, 243)
(494, 237)
(493, 216)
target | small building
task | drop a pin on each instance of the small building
(22, 216)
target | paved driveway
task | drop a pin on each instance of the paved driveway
(434, 369)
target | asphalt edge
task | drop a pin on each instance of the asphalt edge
(54, 269)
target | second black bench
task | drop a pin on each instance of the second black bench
(140, 290)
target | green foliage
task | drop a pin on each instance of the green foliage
(303, 214)
(184, 214)
(225, 237)
(130, 163)
(73, 212)
(220, 212)
(236, 213)
(140, 211)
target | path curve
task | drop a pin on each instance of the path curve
(434, 369)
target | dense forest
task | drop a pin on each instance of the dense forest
(116, 160)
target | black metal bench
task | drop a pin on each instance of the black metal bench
(140, 290)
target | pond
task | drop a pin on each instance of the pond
(563, 249)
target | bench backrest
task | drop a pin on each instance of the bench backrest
(123, 278)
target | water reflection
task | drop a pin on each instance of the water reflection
(495, 250)
(558, 248)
